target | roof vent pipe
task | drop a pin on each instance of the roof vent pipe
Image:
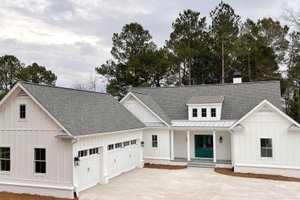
(237, 77)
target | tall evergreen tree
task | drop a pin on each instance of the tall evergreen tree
(185, 42)
(224, 31)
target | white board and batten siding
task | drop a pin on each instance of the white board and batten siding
(267, 124)
(38, 130)
(106, 164)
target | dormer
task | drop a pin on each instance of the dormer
(205, 108)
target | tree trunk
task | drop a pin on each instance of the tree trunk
(249, 68)
(223, 64)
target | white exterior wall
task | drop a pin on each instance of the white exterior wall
(38, 130)
(208, 107)
(101, 141)
(138, 110)
(180, 144)
(286, 148)
(163, 149)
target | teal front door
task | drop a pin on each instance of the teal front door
(204, 146)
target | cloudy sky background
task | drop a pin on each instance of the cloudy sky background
(72, 37)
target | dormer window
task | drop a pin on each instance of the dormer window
(23, 111)
(203, 112)
(213, 112)
(195, 112)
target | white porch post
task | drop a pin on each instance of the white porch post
(214, 145)
(172, 145)
(188, 146)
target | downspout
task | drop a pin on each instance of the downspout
(74, 141)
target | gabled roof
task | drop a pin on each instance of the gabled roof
(239, 98)
(205, 99)
(83, 112)
(266, 105)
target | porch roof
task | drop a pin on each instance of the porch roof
(209, 124)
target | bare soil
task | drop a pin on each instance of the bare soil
(230, 172)
(159, 166)
(14, 196)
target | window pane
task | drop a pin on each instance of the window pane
(5, 165)
(263, 152)
(262, 142)
(43, 154)
(195, 113)
(5, 153)
(40, 167)
(203, 112)
(269, 153)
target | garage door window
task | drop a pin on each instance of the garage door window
(82, 153)
(126, 143)
(133, 142)
(154, 141)
(118, 145)
(94, 151)
(266, 149)
(110, 147)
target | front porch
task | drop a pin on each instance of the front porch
(201, 148)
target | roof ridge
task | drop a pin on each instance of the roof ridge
(60, 87)
(207, 85)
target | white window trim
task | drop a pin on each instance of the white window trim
(34, 172)
(259, 151)
(10, 150)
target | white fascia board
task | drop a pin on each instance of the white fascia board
(45, 110)
(9, 93)
(205, 104)
(108, 133)
(265, 102)
(131, 94)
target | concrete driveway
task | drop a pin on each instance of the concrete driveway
(190, 184)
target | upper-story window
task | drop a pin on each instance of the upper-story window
(195, 112)
(203, 112)
(22, 111)
(154, 141)
(213, 112)
(266, 149)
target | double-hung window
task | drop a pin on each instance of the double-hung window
(4, 159)
(203, 112)
(213, 112)
(195, 112)
(154, 141)
(266, 149)
(40, 160)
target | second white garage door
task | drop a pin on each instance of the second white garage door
(122, 157)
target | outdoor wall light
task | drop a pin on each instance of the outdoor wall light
(142, 143)
(221, 139)
(76, 161)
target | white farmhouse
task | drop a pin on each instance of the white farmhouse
(237, 125)
(58, 142)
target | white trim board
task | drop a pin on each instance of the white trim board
(260, 105)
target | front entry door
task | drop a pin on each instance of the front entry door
(204, 146)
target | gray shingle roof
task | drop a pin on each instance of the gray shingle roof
(148, 100)
(83, 112)
(205, 99)
(239, 98)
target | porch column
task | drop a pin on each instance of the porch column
(172, 145)
(188, 146)
(214, 145)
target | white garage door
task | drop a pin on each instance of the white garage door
(89, 168)
(122, 157)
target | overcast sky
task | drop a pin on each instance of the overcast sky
(72, 37)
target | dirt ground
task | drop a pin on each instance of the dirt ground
(158, 166)
(230, 172)
(13, 196)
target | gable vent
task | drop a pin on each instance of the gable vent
(22, 94)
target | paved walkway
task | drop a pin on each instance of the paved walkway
(190, 184)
